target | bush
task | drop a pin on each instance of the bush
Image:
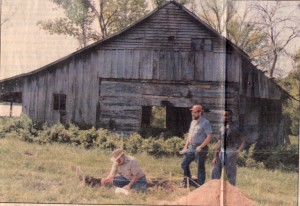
(88, 138)
(173, 145)
(245, 158)
(283, 157)
(134, 143)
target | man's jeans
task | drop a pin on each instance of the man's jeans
(228, 160)
(140, 184)
(200, 158)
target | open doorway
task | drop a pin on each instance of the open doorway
(173, 121)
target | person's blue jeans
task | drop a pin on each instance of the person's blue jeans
(200, 158)
(228, 160)
(140, 184)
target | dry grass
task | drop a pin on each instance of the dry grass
(34, 173)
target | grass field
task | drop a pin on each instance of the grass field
(32, 173)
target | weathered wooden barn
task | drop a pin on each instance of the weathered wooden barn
(171, 59)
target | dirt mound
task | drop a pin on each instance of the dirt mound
(215, 193)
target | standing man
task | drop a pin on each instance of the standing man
(231, 142)
(130, 175)
(196, 146)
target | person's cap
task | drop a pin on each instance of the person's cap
(197, 107)
(116, 154)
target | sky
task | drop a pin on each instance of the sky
(25, 47)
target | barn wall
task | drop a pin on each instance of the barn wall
(165, 65)
(261, 120)
(146, 52)
(121, 101)
(76, 79)
(254, 84)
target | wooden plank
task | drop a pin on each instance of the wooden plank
(120, 63)
(177, 65)
(107, 66)
(155, 55)
(170, 66)
(136, 64)
(78, 90)
(114, 63)
(86, 97)
(146, 68)
(41, 98)
(237, 66)
(162, 65)
(129, 56)
(199, 67)
(187, 66)
(71, 99)
(126, 89)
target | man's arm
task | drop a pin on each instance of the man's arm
(216, 153)
(111, 175)
(187, 142)
(204, 143)
(241, 147)
(132, 181)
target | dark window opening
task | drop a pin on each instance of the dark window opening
(59, 102)
(171, 38)
(154, 117)
(200, 44)
(170, 120)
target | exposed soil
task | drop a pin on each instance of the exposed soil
(215, 193)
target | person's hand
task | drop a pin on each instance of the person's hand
(105, 181)
(183, 151)
(127, 187)
(198, 149)
(214, 161)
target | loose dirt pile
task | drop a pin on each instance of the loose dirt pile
(215, 193)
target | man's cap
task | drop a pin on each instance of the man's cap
(116, 154)
(197, 107)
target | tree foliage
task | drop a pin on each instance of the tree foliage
(236, 26)
(158, 3)
(278, 28)
(91, 20)
(291, 84)
(7, 10)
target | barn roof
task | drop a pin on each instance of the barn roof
(132, 26)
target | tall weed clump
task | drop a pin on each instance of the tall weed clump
(283, 157)
(21, 127)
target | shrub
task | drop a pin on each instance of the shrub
(133, 143)
(173, 146)
(283, 157)
(154, 147)
(88, 138)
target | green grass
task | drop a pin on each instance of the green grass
(294, 140)
(35, 173)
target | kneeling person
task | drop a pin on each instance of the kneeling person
(130, 175)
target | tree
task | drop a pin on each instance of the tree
(6, 12)
(217, 14)
(236, 26)
(278, 28)
(81, 16)
(291, 84)
(158, 3)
